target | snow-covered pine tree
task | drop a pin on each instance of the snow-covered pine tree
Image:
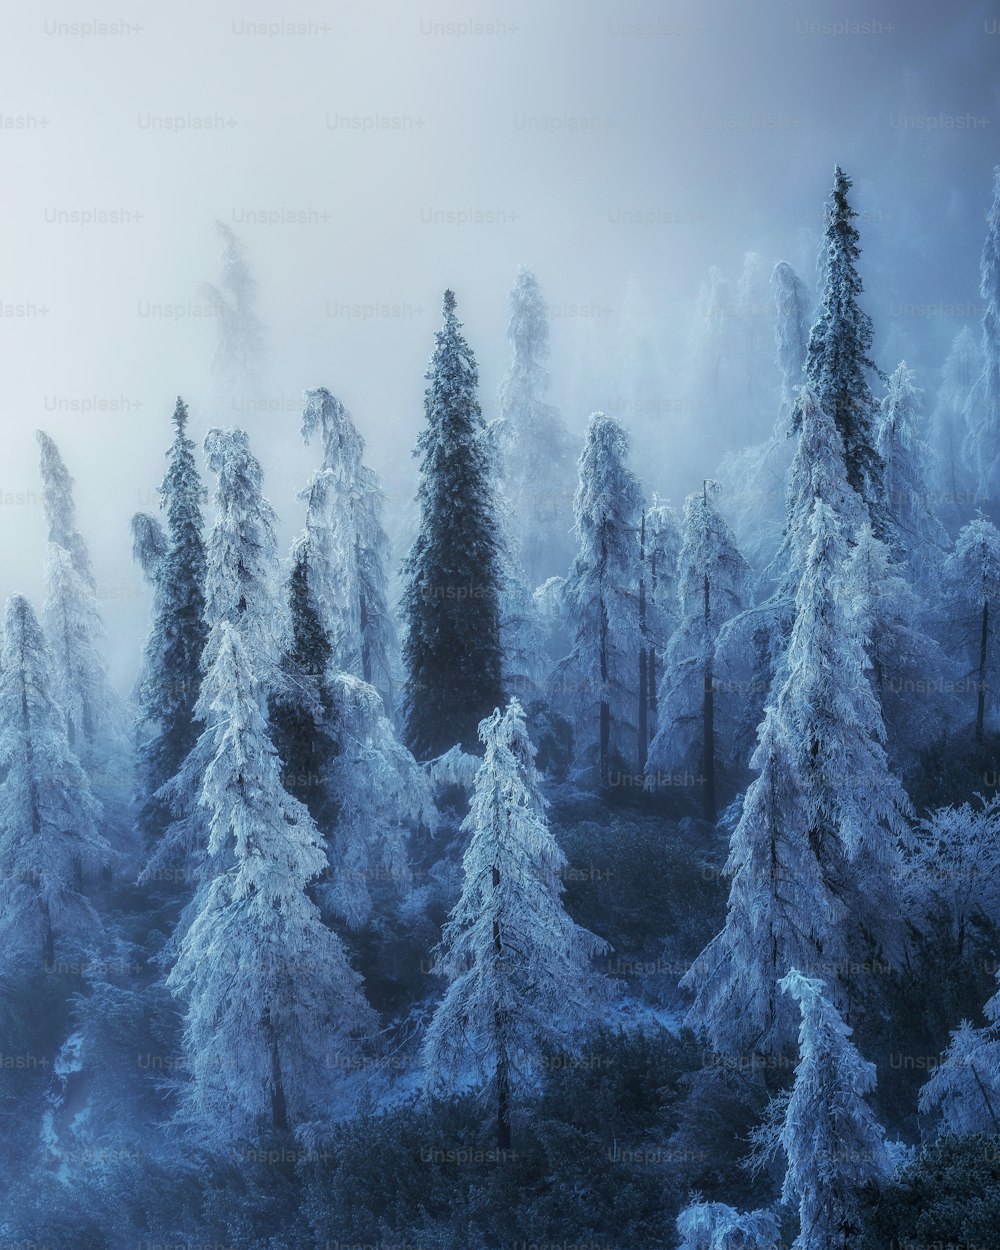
(451, 601)
(955, 480)
(718, 1226)
(831, 1140)
(302, 707)
(601, 597)
(963, 1091)
(982, 444)
(781, 912)
(518, 968)
(953, 871)
(75, 629)
(341, 758)
(171, 669)
(914, 532)
(972, 581)
(60, 508)
(149, 544)
(791, 332)
(266, 985)
(759, 472)
(838, 361)
(713, 586)
(350, 582)
(749, 333)
(535, 446)
(856, 809)
(240, 360)
(911, 675)
(662, 560)
(241, 566)
(49, 819)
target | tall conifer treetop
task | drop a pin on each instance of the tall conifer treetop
(453, 572)
(839, 359)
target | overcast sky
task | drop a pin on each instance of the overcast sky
(561, 126)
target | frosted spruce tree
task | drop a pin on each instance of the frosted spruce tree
(972, 584)
(452, 575)
(50, 822)
(838, 362)
(815, 857)
(301, 709)
(758, 473)
(341, 758)
(518, 969)
(962, 1094)
(659, 554)
(983, 419)
(171, 667)
(713, 586)
(75, 630)
(240, 360)
(915, 533)
(905, 659)
(954, 477)
(832, 1143)
(535, 446)
(349, 576)
(601, 672)
(791, 332)
(781, 912)
(268, 991)
(856, 809)
(717, 1226)
(240, 589)
(149, 545)
(60, 508)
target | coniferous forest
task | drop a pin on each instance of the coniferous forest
(591, 840)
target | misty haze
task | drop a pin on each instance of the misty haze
(500, 670)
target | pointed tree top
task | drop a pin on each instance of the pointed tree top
(180, 417)
(449, 302)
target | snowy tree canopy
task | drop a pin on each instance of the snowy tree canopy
(451, 601)
(534, 444)
(171, 672)
(49, 820)
(832, 1143)
(518, 969)
(983, 420)
(349, 547)
(839, 355)
(601, 671)
(268, 990)
(713, 586)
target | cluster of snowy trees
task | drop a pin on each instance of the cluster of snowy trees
(296, 736)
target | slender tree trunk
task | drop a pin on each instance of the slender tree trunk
(366, 657)
(503, 1061)
(708, 719)
(981, 702)
(605, 721)
(643, 710)
(279, 1106)
(48, 938)
(643, 653)
(651, 654)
